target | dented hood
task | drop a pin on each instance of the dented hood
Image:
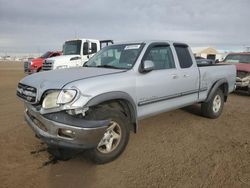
(56, 79)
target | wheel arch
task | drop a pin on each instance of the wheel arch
(223, 85)
(39, 69)
(121, 98)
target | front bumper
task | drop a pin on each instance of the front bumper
(87, 133)
(30, 71)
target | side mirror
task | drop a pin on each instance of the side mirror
(147, 66)
(89, 47)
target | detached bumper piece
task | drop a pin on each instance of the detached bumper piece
(62, 130)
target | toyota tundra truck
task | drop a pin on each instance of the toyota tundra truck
(75, 53)
(95, 107)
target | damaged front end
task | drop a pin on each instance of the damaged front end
(58, 120)
(63, 130)
(243, 81)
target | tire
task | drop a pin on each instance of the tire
(119, 125)
(213, 108)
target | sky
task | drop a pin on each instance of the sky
(31, 26)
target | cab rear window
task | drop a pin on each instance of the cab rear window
(184, 56)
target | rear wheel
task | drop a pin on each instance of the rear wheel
(115, 138)
(213, 108)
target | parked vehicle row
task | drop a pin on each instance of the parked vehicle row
(96, 106)
(75, 53)
(36, 64)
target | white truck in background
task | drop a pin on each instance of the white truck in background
(75, 53)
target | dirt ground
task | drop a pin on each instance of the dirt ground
(174, 149)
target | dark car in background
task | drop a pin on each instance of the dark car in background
(35, 65)
(203, 61)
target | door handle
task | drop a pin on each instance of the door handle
(174, 76)
(185, 75)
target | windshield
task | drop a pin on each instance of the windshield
(46, 55)
(237, 58)
(72, 47)
(121, 56)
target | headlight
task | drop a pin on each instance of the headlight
(50, 100)
(62, 67)
(55, 98)
(66, 96)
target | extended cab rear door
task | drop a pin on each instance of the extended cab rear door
(188, 72)
(172, 84)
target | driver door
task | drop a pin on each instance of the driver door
(158, 90)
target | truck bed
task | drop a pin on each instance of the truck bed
(209, 74)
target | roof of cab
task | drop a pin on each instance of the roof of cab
(241, 53)
(151, 41)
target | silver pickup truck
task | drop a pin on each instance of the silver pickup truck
(96, 106)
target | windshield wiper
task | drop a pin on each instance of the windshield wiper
(108, 66)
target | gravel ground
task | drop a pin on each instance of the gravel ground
(174, 149)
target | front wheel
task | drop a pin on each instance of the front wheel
(213, 108)
(115, 138)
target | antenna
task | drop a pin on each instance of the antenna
(75, 35)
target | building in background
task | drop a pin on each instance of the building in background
(208, 53)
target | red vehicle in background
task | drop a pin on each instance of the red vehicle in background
(36, 64)
(242, 62)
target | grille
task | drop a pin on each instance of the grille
(26, 66)
(47, 65)
(241, 74)
(27, 93)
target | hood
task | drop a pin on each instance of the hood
(63, 58)
(56, 79)
(243, 67)
(37, 60)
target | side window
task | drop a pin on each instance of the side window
(93, 47)
(184, 56)
(85, 48)
(161, 56)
